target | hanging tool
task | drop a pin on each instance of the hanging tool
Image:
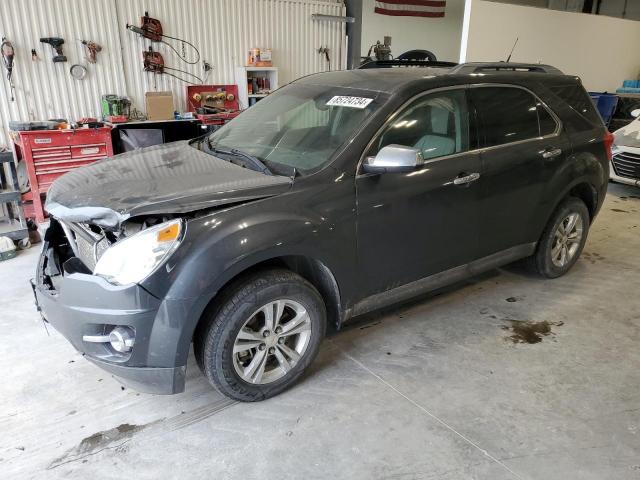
(92, 49)
(206, 66)
(325, 51)
(154, 62)
(8, 54)
(151, 29)
(56, 43)
(34, 55)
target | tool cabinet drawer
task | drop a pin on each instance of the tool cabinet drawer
(94, 151)
(50, 153)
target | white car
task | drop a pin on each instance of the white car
(626, 153)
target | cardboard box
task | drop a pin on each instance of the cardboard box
(159, 105)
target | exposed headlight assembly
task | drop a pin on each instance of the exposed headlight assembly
(133, 259)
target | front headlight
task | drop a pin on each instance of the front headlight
(133, 259)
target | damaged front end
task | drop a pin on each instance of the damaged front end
(72, 248)
(93, 298)
(131, 252)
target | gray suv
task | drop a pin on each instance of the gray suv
(340, 193)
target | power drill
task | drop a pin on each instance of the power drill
(56, 43)
(93, 48)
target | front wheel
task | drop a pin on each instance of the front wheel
(263, 335)
(563, 239)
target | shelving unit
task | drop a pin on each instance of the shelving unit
(245, 74)
(12, 221)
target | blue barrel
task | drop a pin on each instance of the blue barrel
(606, 104)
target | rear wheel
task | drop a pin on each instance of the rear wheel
(563, 239)
(265, 332)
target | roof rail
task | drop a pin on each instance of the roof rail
(479, 67)
(405, 63)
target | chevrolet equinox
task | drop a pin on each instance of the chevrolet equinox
(341, 193)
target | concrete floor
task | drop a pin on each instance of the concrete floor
(436, 389)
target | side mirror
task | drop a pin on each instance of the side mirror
(393, 159)
(635, 113)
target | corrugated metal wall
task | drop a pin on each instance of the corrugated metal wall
(223, 31)
(45, 89)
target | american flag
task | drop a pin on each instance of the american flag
(411, 8)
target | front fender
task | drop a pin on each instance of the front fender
(219, 246)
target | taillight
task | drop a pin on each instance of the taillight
(608, 145)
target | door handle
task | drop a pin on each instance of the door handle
(551, 153)
(466, 179)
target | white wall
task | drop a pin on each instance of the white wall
(603, 51)
(223, 30)
(439, 35)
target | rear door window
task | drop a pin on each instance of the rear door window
(507, 114)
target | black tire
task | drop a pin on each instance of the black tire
(541, 261)
(214, 340)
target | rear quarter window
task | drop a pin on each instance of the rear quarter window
(575, 96)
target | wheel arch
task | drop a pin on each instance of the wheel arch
(311, 269)
(586, 192)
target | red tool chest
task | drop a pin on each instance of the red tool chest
(49, 154)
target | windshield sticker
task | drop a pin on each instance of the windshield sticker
(351, 102)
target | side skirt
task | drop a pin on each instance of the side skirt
(438, 280)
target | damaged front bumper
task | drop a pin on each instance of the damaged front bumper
(82, 306)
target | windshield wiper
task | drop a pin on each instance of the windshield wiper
(255, 161)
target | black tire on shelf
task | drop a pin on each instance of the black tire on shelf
(215, 337)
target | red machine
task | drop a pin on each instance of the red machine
(152, 61)
(49, 154)
(213, 104)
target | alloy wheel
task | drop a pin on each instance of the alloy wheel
(567, 239)
(272, 341)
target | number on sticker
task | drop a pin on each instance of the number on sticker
(351, 102)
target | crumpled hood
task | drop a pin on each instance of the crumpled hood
(629, 135)
(170, 178)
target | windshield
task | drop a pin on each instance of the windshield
(298, 126)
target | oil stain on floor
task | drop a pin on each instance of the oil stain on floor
(97, 442)
(523, 331)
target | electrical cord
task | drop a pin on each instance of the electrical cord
(178, 78)
(178, 53)
(144, 32)
(185, 72)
